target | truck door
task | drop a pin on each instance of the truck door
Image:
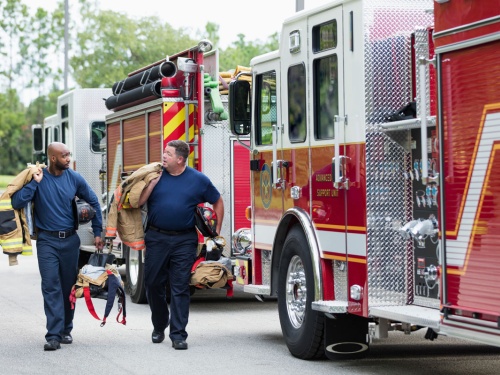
(329, 182)
(294, 167)
(266, 175)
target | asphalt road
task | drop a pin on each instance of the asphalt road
(238, 336)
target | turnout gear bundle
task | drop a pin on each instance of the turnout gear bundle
(100, 279)
(212, 270)
(125, 215)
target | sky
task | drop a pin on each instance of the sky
(256, 19)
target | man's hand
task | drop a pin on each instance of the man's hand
(98, 243)
(38, 175)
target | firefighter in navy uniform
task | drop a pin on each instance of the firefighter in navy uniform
(171, 239)
(52, 191)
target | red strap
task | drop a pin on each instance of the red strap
(197, 261)
(90, 305)
(229, 291)
(72, 298)
(120, 310)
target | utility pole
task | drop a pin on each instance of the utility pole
(299, 5)
(66, 44)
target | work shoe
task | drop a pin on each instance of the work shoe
(52, 345)
(179, 344)
(66, 338)
(157, 337)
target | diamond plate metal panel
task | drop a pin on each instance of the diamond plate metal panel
(389, 203)
(340, 280)
(387, 45)
(217, 163)
(422, 50)
(388, 28)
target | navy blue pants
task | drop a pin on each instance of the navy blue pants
(58, 265)
(169, 259)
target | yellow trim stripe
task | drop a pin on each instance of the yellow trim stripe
(343, 258)
(340, 227)
(5, 206)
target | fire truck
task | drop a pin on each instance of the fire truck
(374, 130)
(114, 131)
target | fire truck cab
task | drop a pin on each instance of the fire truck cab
(373, 133)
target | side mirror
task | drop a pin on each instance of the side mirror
(239, 107)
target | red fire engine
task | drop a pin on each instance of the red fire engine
(374, 132)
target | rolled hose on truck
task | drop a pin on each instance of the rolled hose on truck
(164, 70)
(151, 90)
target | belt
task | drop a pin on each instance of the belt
(59, 233)
(170, 232)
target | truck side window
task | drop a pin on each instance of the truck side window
(297, 103)
(325, 36)
(97, 132)
(265, 107)
(326, 93)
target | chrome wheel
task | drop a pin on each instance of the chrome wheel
(133, 266)
(296, 292)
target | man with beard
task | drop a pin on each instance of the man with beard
(52, 191)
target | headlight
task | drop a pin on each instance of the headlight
(242, 242)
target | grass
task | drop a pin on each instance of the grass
(5, 180)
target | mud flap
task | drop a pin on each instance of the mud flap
(346, 336)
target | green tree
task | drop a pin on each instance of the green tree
(13, 134)
(113, 45)
(212, 33)
(38, 47)
(14, 17)
(242, 51)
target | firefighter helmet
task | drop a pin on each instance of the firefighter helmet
(85, 212)
(206, 221)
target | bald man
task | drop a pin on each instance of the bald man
(52, 192)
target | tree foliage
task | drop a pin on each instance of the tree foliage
(241, 51)
(13, 134)
(104, 47)
(111, 45)
(14, 18)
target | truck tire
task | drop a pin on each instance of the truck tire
(302, 327)
(135, 275)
